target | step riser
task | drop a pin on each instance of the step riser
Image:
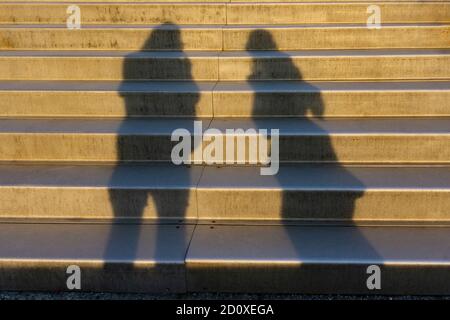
(336, 38)
(231, 205)
(345, 148)
(106, 104)
(181, 13)
(200, 13)
(338, 278)
(110, 257)
(224, 1)
(112, 39)
(331, 104)
(171, 193)
(85, 147)
(44, 275)
(45, 103)
(227, 68)
(233, 38)
(318, 260)
(97, 68)
(335, 205)
(295, 13)
(335, 68)
(210, 277)
(98, 203)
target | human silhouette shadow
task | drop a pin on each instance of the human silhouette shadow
(305, 113)
(140, 205)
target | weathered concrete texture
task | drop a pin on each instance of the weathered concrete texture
(90, 140)
(301, 140)
(111, 38)
(297, 13)
(164, 192)
(108, 65)
(227, 66)
(215, 13)
(310, 259)
(297, 194)
(336, 37)
(325, 193)
(87, 118)
(126, 258)
(330, 99)
(234, 38)
(335, 65)
(105, 99)
(110, 13)
(230, 99)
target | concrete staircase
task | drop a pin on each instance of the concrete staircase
(86, 177)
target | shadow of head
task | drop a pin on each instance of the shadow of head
(160, 57)
(261, 39)
(273, 65)
(166, 36)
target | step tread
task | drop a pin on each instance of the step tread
(341, 126)
(319, 259)
(90, 242)
(143, 126)
(224, 54)
(111, 257)
(329, 176)
(115, 86)
(220, 26)
(338, 244)
(162, 176)
(168, 176)
(286, 126)
(222, 86)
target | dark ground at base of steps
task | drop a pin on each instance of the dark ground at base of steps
(9, 295)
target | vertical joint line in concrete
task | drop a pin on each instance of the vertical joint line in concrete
(226, 13)
(213, 90)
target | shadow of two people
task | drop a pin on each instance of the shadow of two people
(134, 204)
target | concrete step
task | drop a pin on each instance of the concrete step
(219, 1)
(346, 65)
(224, 13)
(159, 258)
(401, 140)
(203, 37)
(330, 99)
(301, 193)
(130, 37)
(351, 140)
(223, 99)
(335, 12)
(325, 193)
(124, 258)
(109, 98)
(119, 13)
(318, 259)
(108, 65)
(226, 66)
(310, 37)
(93, 192)
(90, 139)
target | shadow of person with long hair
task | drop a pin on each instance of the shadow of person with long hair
(306, 113)
(150, 202)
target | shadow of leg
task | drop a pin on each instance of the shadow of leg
(158, 200)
